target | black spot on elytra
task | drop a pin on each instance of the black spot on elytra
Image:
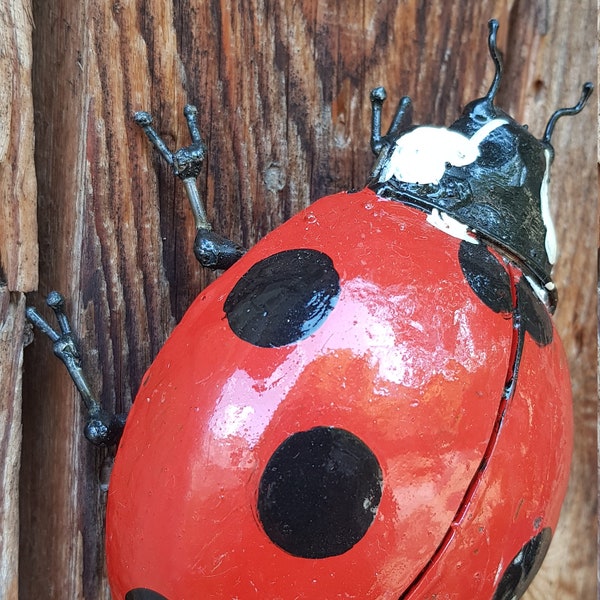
(319, 492)
(535, 318)
(521, 571)
(486, 276)
(283, 298)
(143, 594)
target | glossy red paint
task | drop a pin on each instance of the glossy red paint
(521, 489)
(409, 360)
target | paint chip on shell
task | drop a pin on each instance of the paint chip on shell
(540, 291)
(451, 226)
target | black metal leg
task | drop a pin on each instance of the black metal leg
(102, 428)
(211, 249)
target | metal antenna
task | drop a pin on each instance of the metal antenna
(103, 428)
(493, 47)
(378, 96)
(586, 92)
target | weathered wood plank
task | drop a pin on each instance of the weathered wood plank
(283, 91)
(18, 264)
(18, 230)
(12, 308)
(566, 57)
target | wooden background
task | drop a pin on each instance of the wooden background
(283, 91)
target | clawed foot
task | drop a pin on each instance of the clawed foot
(214, 251)
(103, 428)
(186, 162)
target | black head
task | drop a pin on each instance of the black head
(498, 191)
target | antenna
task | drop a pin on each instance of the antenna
(378, 141)
(493, 25)
(586, 92)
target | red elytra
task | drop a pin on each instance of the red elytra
(521, 489)
(411, 362)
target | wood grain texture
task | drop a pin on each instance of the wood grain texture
(12, 321)
(18, 263)
(283, 93)
(18, 228)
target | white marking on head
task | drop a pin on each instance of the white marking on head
(451, 226)
(550, 240)
(421, 155)
(484, 131)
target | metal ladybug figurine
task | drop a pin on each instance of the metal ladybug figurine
(372, 402)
